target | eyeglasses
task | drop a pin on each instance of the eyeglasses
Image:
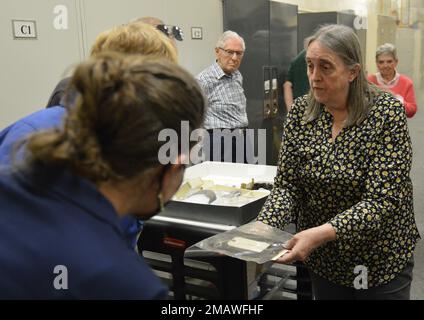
(230, 53)
(171, 31)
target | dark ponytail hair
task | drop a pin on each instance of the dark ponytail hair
(124, 101)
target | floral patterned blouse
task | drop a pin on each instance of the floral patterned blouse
(359, 183)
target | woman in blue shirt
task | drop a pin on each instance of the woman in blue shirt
(134, 38)
(60, 233)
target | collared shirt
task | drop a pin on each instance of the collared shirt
(402, 88)
(359, 183)
(16, 132)
(60, 238)
(225, 98)
(387, 84)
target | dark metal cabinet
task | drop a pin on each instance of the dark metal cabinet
(269, 29)
(310, 21)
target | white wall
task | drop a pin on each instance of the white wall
(409, 61)
(31, 68)
(194, 55)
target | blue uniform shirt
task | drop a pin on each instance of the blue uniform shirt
(60, 238)
(47, 119)
(43, 119)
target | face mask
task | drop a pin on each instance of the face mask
(161, 205)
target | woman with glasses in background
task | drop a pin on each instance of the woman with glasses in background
(388, 79)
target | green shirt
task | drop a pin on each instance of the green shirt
(297, 75)
(359, 183)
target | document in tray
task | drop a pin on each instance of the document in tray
(254, 241)
(247, 244)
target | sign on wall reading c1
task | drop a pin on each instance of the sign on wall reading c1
(24, 29)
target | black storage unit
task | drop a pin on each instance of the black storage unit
(310, 21)
(269, 29)
(225, 279)
(163, 244)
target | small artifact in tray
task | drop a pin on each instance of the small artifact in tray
(262, 185)
(206, 192)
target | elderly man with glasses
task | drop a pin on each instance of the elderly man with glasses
(226, 118)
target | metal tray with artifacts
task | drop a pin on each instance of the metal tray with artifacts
(221, 192)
